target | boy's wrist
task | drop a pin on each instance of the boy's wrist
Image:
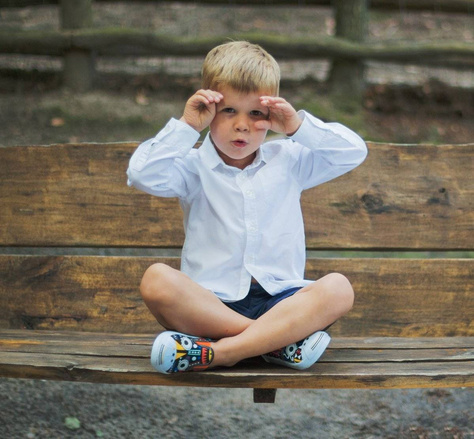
(195, 128)
(185, 128)
(294, 129)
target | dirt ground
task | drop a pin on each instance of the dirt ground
(402, 104)
(39, 409)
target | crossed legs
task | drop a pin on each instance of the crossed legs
(180, 304)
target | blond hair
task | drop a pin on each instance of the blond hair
(244, 66)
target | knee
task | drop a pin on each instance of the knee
(157, 283)
(341, 292)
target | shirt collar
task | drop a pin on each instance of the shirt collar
(209, 153)
(212, 159)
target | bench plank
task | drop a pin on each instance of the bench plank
(139, 346)
(394, 297)
(79, 197)
(82, 357)
(35, 338)
(127, 348)
(322, 375)
(370, 207)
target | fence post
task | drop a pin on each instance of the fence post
(78, 63)
(346, 78)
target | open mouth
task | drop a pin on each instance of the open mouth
(239, 143)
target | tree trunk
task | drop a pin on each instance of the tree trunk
(346, 79)
(78, 63)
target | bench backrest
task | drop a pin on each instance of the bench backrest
(404, 197)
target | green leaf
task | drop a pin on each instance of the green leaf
(72, 423)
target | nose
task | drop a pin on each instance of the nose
(241, 124)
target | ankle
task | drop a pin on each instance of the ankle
(223, 356)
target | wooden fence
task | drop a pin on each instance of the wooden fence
(79, 43)
(458, 6)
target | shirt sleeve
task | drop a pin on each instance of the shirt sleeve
(327, 150)
(157, 165)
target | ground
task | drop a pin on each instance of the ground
(402, 104)
(69, 410)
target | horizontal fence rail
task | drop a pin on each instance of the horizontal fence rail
(79, 43)
(455, 6)
(126, 42)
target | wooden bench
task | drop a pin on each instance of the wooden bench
(70, 309)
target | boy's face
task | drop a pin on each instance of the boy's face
(233, 130)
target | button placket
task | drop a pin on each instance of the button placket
(250, 220)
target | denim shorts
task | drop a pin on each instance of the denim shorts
(258, 301)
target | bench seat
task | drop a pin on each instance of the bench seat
(349, 362)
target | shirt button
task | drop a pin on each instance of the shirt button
(250, 194)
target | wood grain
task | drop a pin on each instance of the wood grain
(82, 357)
(402, 197)
(404, 297)
(411, 325)
(394, 297)
(341, 350)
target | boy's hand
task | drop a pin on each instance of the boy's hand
(200, 109)
(283, 118)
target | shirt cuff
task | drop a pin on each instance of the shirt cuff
(179, 135)
(308, 127)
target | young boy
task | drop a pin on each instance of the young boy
(241, 292)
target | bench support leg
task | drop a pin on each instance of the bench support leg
(264, 395)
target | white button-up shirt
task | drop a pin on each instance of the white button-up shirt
(246, 223)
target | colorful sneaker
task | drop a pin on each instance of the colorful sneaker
(176, 352)
(302, 354)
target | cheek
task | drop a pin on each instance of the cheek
(261, 134)
(217, 126)
(212, 125)
(215, 133)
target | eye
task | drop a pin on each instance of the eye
(257, 113)
(228, 110)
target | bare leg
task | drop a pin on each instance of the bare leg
(181, 304)
(309, 310)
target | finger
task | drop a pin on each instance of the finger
(279, 110)
(272, 100)
(263, 125)
(203, 103)
(200, 105)
(210, 95)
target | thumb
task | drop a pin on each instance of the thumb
(263, 125)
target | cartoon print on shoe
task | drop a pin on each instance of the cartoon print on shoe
(177, 352)
(302, 354)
